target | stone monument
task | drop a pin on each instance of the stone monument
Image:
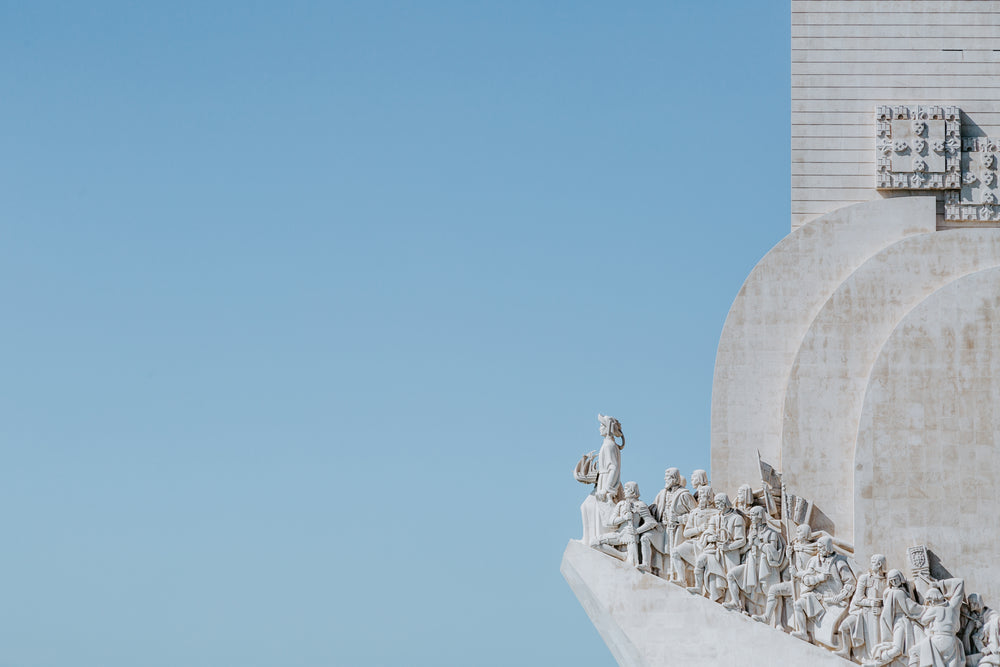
(851, 513)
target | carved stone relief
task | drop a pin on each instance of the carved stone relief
(922, 148)
(758, 557)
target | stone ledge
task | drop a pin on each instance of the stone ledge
(648, 622)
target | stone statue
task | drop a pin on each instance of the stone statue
(859, 633)
(990, 655)
(827, 584)
(603, 470)
(738, 557)
(802, 548)
(609, 459)
(723, 540)
(764, 558)
(634, 523)
(941, 620)
(744, 499)
(671, 508)
(684, 556)
(973, 619)
(699, 478)
(897, 624)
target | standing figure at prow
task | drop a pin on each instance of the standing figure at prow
(609, 460)
(603, 470)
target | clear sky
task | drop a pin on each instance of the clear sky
(311, 307)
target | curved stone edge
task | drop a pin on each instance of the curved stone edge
(648, 622)
(826, 386)
(772, 313)
(927, 455)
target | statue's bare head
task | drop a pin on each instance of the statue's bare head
(934, 597)
(631, 490)
(825, 545)
(705, 497)
(699, 478)
(803, 531)
(757, 515)
(672, 477)
(722, 502)
(878, 563)
(744, 496)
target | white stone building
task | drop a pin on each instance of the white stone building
(861, 357)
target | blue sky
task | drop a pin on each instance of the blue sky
(311, 308)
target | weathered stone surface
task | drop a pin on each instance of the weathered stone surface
(771, 315)
(928, 447)
(826, 387)
(646, 621)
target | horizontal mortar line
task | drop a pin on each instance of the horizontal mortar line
(888, 62)
(908, 50)
(872, 99)
(951, 77)
(845, 10)
(897, 62)
(916, 30)
(890, 15)
(928, 75)
(890, 87)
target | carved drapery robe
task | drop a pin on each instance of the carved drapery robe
(728, 533)
(630, 527)
(609, 466)
(941, 646)
(832, 576)
(897, 621)
(866, 609)
(671, 509)
(765, 557)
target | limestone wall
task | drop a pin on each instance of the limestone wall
(928, 448)
(773, 312)
(850, 55)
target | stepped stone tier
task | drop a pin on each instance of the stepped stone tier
(850, 512)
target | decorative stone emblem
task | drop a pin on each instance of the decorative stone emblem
(922, 148)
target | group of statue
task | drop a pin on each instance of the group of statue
(753, 557)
